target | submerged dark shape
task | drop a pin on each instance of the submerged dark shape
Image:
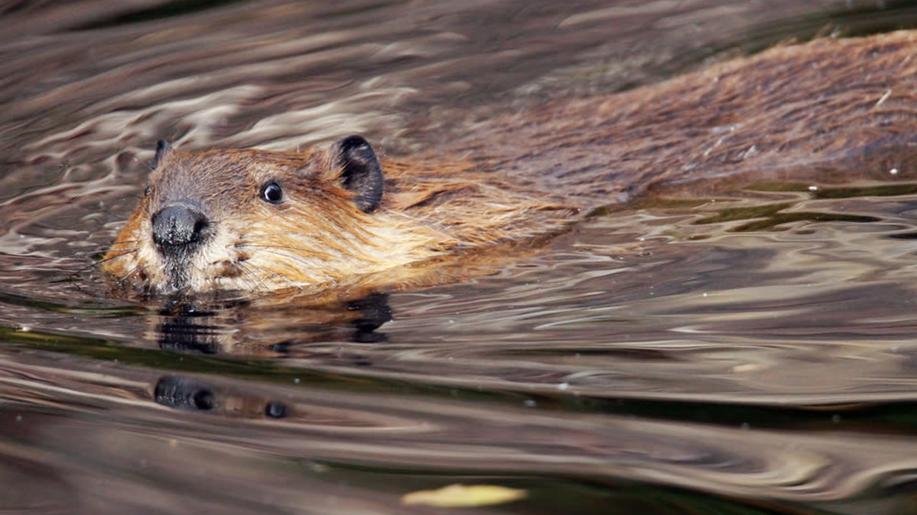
(184, 393)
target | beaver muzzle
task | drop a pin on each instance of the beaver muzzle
(177, 228)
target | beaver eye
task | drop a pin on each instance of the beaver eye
(147, 191)
(272, 192)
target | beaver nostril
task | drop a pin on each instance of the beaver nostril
(199, 227)
(177, 226)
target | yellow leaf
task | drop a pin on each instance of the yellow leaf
(459, 496)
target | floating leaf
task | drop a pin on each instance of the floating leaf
(461, 496)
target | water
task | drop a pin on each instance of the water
(748, 353)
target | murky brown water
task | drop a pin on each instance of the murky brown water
(752, 353)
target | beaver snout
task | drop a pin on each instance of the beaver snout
(177, 227)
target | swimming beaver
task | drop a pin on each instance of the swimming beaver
(256, 220)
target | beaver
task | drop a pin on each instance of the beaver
(256, 221)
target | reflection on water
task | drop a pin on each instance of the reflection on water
(212, 328)
(750, 353)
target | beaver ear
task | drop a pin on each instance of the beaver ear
(361, 172)
(163, 147)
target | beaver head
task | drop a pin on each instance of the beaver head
(258, 220)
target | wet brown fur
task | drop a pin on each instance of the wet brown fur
(828, 110)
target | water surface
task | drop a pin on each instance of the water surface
(748, 353)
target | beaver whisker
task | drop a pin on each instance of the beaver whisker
(313, 258)
(250, 276)
(94, 264)
(301, 260)
(273, 246)
(314, 253)
(128, 275)
(307, 272)
(246, 273)
(123, 253)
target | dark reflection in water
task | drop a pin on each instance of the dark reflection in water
(751, 353)
(176, 392)
(183, 393)
(770, 216)
(236, 327)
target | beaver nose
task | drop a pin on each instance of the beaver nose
(177, 226)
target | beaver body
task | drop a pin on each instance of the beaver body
(256, 220)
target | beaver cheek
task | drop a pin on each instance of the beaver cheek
(228, 270)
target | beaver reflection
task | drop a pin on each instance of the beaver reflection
(189, 331)
(190, 394)
(238, 329)
(373, 311)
